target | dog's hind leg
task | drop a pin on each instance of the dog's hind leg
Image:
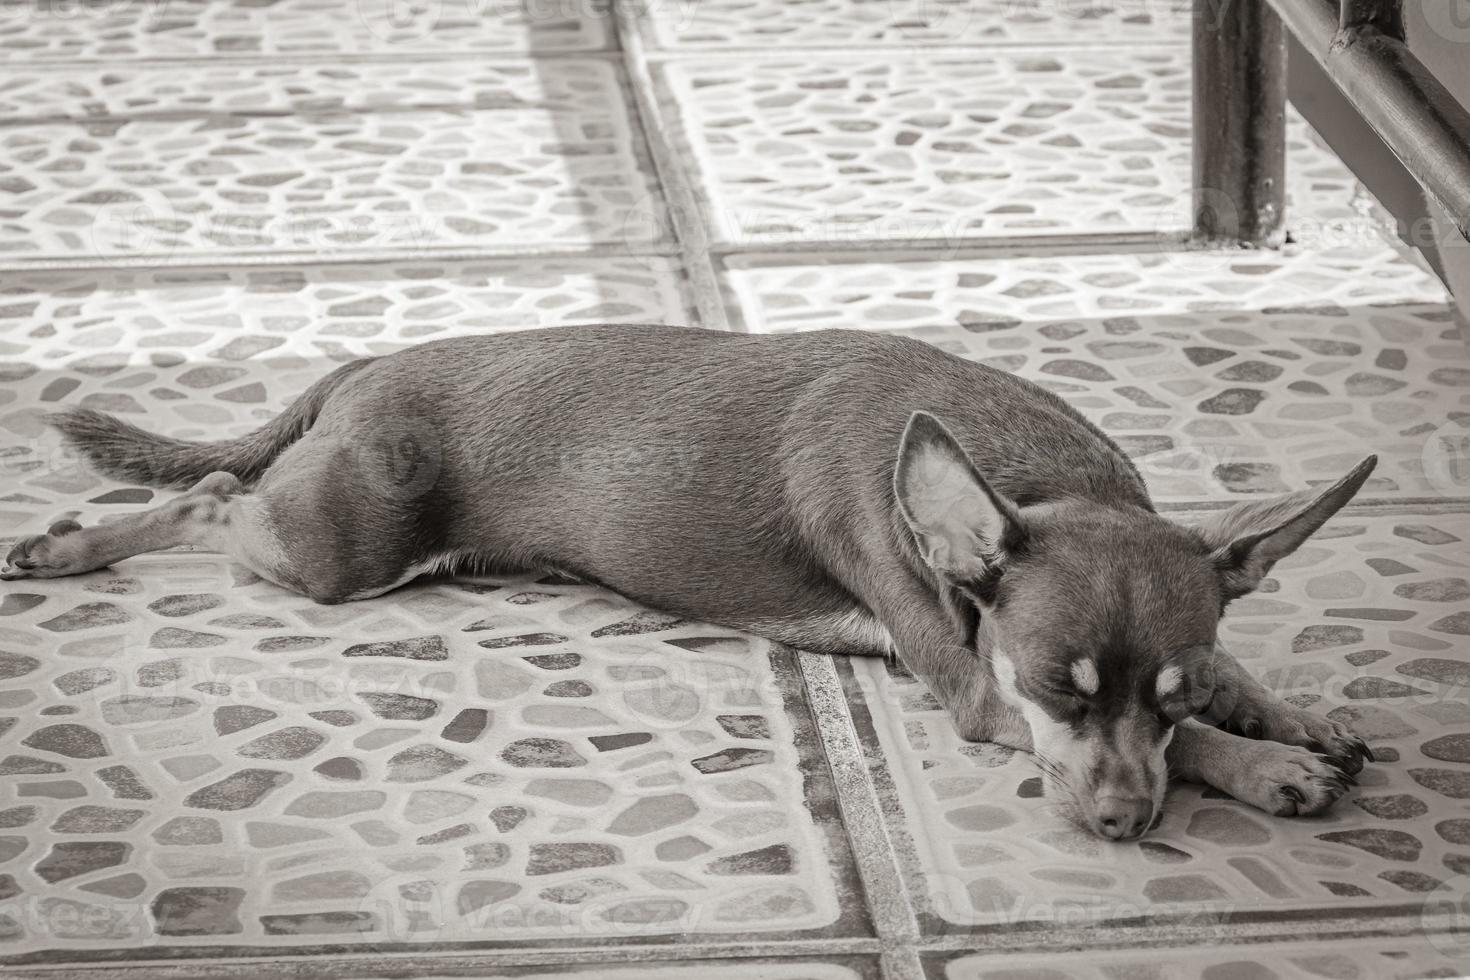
(215, 513)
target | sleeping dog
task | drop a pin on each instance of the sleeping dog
(838, 491)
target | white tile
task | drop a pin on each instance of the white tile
(220, 160)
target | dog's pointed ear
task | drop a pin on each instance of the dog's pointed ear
(1248, 539)
(964, 529)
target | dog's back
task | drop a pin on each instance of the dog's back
(736, 478)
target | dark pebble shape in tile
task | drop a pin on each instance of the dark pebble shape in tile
(74, 741)
(1394, 845)
(68, 859)
(335, 717)
(1324, 637)
(319, 924)
(542, 753)
(1161, 853)
(1435, 590)
(399, 707)
(1448, 748)
(1233, 401)
(15, 603)
(745, 726)
(647, 621)
(340, 768)
(84, 679)
(507, 818)
(232, 718)
(286, 743)
(417, 648)
(552, 858)
(186, 605)
(1374, 688)
(729, 759)
(14, 665)
(160, 672)
(466, 726)
(189, 832)
(568, 689)
(91, 819)
(28, 765)
(18, 816)
(1453, 672)
(87, 616)
(124, 495)
(1424, 534)
(1411, 881)
(198, 910)
(175, 638)
(555, 661)
(124, 783)
(775, 859)
(1397, 806)
(238, 791)
(1446, 782)
(523, 640)
(420, 762)
(611, 743)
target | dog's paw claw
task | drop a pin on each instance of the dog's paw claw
(1293, 794)
(45, 556)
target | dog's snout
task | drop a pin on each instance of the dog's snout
(1123, 817)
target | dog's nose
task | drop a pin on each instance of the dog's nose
(1123, 817)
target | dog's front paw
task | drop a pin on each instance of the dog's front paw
(48, 555)
(1290, 725)
(1288, 781)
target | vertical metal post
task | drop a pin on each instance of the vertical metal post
(1239, 124)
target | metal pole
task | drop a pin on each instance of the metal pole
(1361, 46)
(1239, 124)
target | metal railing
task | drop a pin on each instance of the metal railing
(1240, 108)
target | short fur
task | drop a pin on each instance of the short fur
(840, 491)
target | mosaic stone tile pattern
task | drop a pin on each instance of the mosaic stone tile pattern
(760, 23)
(202, 29)
(1366, 623)
(167, 162)
(86, 320)
(194, 755)
(953, 146)
(1374, 959)
(1220, 374)
(943, 147)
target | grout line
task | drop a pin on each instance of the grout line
(673, 176)
(902, 964)
(887, 899)
(916, 49)
(317, 59)
(345, 962)
(230, 260)
(948, 247)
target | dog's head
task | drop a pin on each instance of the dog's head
(1097, 624)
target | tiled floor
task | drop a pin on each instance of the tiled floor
(205, 205)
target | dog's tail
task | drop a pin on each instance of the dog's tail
(125, 452)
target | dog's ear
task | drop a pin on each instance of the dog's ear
(964, 529)
(1248, 539)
